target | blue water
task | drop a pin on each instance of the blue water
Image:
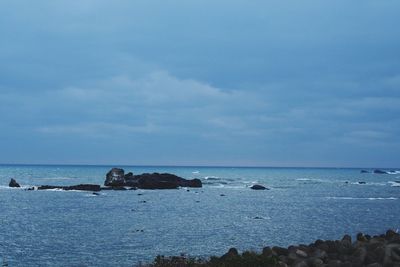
(123, 228)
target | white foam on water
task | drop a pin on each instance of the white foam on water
(93, 195)
(369, 183)
(196, 172)
(4, 187)
(258, 218)
(394, 184)
(212, 178)
(311, 180)
(61, 190)
(250, 182)
(364, 198)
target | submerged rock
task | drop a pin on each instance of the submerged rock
(377, 171)
(13, 183)
(258, 187)
(364, 171)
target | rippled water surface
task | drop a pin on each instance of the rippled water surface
(122, 228)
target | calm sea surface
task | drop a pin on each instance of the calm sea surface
(123, 228)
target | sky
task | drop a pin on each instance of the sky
(225, 83)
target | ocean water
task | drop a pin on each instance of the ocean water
(123, 228)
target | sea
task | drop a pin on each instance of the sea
(129, 228)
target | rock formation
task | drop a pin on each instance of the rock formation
(116, 178)
(13, 183)
(258, 187)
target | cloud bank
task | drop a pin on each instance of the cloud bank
(261, 83)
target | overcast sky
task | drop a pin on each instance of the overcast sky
(250, 83)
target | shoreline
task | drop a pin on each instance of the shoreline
(370, 251)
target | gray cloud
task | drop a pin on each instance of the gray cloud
(257, 83)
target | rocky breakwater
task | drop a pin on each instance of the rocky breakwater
(116, 178)
(377, 251)
(382, 250)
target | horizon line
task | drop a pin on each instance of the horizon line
(187, 166)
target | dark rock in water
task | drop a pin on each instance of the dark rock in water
(13, 183)
(84, 187)
(258, 187)
(362, 182)
(81, 187)
(146, 183)
(380, 171)
(128, 176)
(364, 171)
(115, 177)
(96, 194)
(190, 183)
(164, 181)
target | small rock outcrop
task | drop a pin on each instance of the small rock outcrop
(13, 183)
(377, 171)
(258, 187)
(116, 178)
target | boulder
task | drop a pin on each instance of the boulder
(377, 171)
(280, 251)
(13, 183)
(232, 253)
(258, 187)
(115, 177)
(267, 251)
